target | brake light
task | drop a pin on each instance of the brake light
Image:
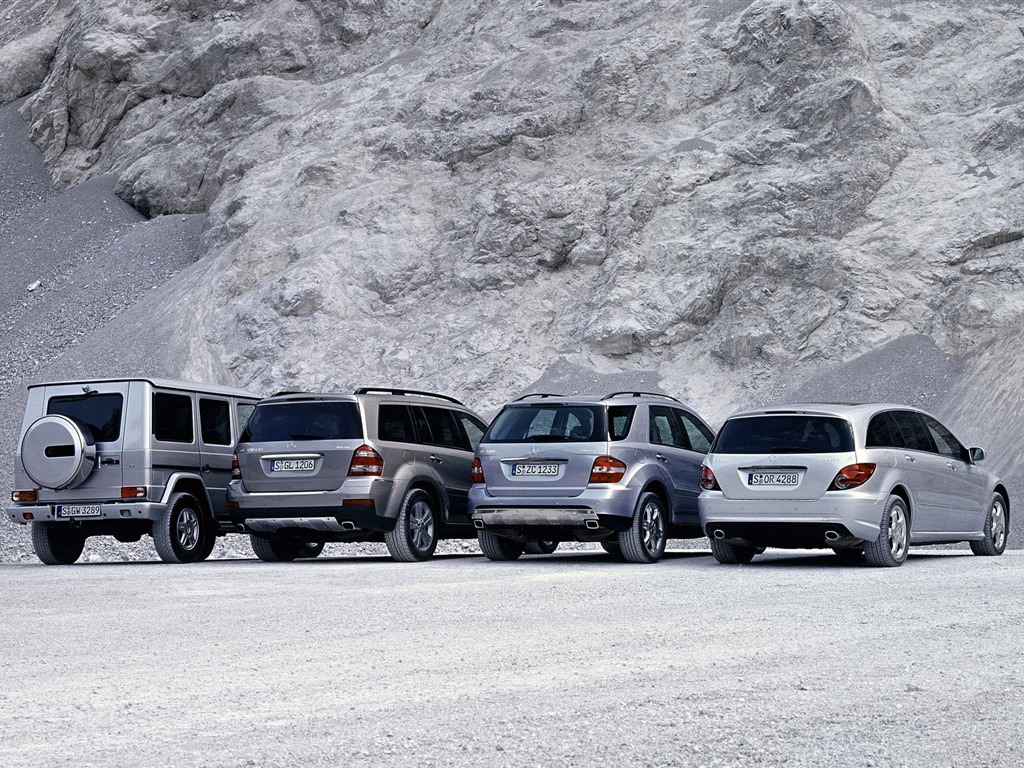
(607, 470)
(365, 461)
(851, 476)
(236, 469)
(133, 492)
(477, 475)
(23, 495)
(708, 481)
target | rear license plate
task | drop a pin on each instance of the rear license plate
(78, 510)
(773, 478)
(534, 470)
(292, 465)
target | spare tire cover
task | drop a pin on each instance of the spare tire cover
(58, 452)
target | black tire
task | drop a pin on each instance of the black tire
(498, 547)
(271, 548)
(540, 547)
(995, 529)
(644, 540)
(732, 554)
(184, 533)
(311, 549)
(414, 537)
(889, 550)
(56, 543)
(612, 548)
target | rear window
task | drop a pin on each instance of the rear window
(549, 424)
(785, 434)
(274, 422)
(100, 413)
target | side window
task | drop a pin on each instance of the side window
(916, 436)
(620, 420)
(666, 428)
(244, 411)
(473, 427)
(394, 422)
(700, 435)
(945, 442)
(215, 421)
(444, 430)
(172, 418)
(879, 435)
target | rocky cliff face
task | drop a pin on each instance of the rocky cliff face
(468, 195)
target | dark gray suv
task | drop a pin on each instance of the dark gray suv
(385, 465)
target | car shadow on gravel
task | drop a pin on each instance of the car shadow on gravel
(783, 559)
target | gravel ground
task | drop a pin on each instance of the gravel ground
(799, 659)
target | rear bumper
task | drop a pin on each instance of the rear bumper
(324, 511)
(793, 523)
(109, 510)
(594, 512)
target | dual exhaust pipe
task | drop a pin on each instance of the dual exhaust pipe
(830, 535)
(591, 524)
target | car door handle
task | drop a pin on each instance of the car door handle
(435, 458)
(660, 457)
(207, 468)
(911, 459)
(951, 465)
(109, 461)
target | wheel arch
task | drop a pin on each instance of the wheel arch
(904, 493)
(422, 483)
(657, 487)
(192, 485)
(1001, 490)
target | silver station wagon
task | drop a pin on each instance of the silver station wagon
(860, 479)
(622, 470)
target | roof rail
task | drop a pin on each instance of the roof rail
(642, 394)
(288, 392)
(537, 394)
(390, 391)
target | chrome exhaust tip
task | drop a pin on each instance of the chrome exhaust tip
(592, 524)
(478, 524)
(240, 527)
(718, 533)
(832, 536)
(348, 525)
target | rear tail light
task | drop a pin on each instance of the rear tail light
(851, 476)
(133, 492)
(708, 481)
(23, 495)
(365, 461)
(477, 475)
(607, 470)
(236, 470)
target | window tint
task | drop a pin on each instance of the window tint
(549, 423)
(172, 418)
(620, 421)
(879, 434)
(215, 421)
(244, 413)
(944, 440)
(666, 428)
(99, 413)
(698, 432)
(273, 422)
(394, 422)
(916, 436)
(473, 427)
(444, 430)
(795, 433)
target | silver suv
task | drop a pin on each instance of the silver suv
(622, 470)
(870, 480)
(126, 458)
(386, 465)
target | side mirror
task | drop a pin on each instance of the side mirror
(977, 454)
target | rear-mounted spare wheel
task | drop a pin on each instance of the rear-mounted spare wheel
(58, 452)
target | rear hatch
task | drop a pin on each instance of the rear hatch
(294, 445)
(786, 456)
(543, 450)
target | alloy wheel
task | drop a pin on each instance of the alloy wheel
(898, 531)
(998, 524)
(187, 528)
(652, 527)
(421, 525)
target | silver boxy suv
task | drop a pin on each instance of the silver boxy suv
(622, 470)
(126, 458)
(385, 465)
(872, 479)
